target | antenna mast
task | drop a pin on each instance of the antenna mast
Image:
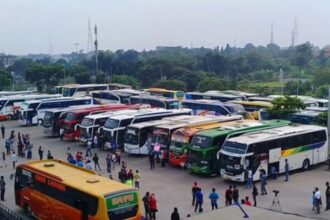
(90, 37)
(96, 55)
(271, 33)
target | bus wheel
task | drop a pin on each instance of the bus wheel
(306, 164)
(27, 210)
(40, 122)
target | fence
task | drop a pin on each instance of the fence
(7, 214)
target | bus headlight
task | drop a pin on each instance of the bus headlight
(237, 167)
(204, 162)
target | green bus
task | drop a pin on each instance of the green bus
(203, 149)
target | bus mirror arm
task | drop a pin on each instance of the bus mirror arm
(99, 129)
(76, 127)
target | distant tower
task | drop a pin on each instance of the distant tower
(90, 38)
(271, 33)
(76, 46)
(96, 55)
(294, 33)
(50, 46)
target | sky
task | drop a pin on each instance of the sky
(45, 26)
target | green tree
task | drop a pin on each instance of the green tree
(5, 79)
(301, 56)
(284, 106)
(322, 77)
(211, 83)
(127, 80)
(171, 84)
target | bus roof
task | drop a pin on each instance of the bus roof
(96, 107)
(110, 114)
(254, 103)
(30, 96)
(274, 133)
(161, 98)
(72, 108)
(161, 90)
(82, 85)
(238, 125)
(214, 93)
(240, 93)
(174, 119)
(80, 178)
(149, 112)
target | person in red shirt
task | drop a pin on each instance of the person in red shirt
(247, 201)
(153, 206)
(130, 175)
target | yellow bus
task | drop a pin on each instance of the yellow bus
(166, 93)
(253, 108)
(57, 190)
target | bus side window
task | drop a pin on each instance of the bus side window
(295, 141)
(305, 139)
(318, 136)
(285, 143)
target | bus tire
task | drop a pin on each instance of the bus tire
(40, 122)
(27, 210)
(306, 164)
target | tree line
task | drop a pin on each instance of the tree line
(252, 68)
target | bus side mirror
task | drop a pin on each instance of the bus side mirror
(100, 129)
(76, 127)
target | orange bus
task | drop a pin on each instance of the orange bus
(181, 139)
(57, 190)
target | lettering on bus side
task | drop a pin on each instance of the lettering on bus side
(122, 200)
(49, 182)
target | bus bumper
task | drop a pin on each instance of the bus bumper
(203, 170)
(235, 178)
(178, 160)
(3, 117)
(69, 137)
(49, 132)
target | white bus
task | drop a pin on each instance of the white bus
(302, 145)
(92, 123)
(32, 112)
(114, 127)
(6, 93)
(82, 90)
(115, 96)
(9, 105)
(136, 135)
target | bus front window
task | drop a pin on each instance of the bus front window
(2, 104)
(234, 147)
(131, 136)
(160, 138)
(195, 158)
(87, 122)
(48, 118)
(201, 141)
(173, 105)
(67, 92)
(70, 116)
(122, 206)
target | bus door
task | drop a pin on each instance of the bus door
(82, 205)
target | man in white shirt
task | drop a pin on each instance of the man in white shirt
(317, 200)
(14, 159)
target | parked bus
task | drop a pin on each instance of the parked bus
(165, 93)
(212, 107)
(136, 135)
(302, 145)
(114, 128)
(54, 189)
(115, 96)
(75, 117)
(179, 139)
(308, 117)
(10, 93)
(116, 86)
(243, 95)
(156, 102)
(9, 105)
(253, 108)
(54, 118)
(76, 89)
(212, 95)
(91, 124)
(32, 112)
(202, 151)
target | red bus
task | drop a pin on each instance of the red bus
(74, 117)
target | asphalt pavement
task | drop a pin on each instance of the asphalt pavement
(172, 185)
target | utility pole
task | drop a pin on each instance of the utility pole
(96, 56)
(76, 45)
(329, 123)
(89, 37)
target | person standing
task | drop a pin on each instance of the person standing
(14, 159)
(96, 162)
(254, 194)
(235, 194)
(29, 153)
(137, 179)
(229, 195)
(318, 201)
(95, 141)
(145, 201)
(151, 157)
(287, 169)
(327, 196)
(194, 189)
(49, 155)
(214, 199)
(61, 133)
(199, 200)
(109, 161)
(263, 182)
(2, 188)
(175, 214)
(41, 153)
(249, 179)
(89, 149)
(3, 131)
(153, 206)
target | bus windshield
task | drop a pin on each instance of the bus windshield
(48, 119)
(111, 123)
(160, 137)
(87, 122)
(123, 205)
(68, 92)
(173, 105)
(70, 116)
(201, 141)
(2, 103)
(131, 136)
(234, 147)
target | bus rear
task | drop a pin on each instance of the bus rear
(54, 189)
